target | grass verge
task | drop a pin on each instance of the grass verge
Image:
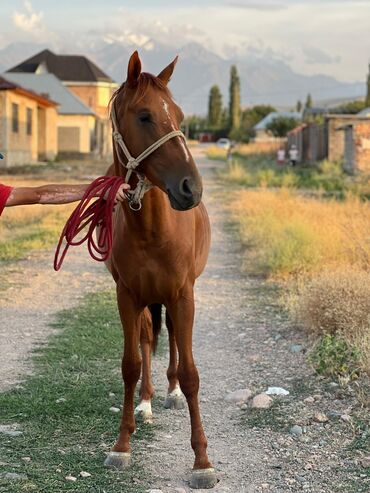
(81, 364)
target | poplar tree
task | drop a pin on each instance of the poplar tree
(215, 107)
(234, 106)
(367, 101)
(308, 102)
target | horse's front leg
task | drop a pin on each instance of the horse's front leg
(181, 312)
(144, 409)
(130, 314)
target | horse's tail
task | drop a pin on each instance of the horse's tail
(156, 312)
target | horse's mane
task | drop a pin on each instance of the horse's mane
(144, 82)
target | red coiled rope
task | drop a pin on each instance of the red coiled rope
(99, 213)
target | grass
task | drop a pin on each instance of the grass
(82, 365)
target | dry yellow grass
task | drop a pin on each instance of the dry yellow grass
(294, 235)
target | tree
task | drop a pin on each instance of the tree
(281, 125)
(215, 107)
(367, 100)
(299, 106)
(309, 102)
(250, 117)
(234, 104)
(351, 107)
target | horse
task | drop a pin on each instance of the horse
(161, 241)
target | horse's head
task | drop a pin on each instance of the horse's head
(146, 112)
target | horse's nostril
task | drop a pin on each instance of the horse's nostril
(185, 188)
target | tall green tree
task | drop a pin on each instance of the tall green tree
(215, 107)
(309, 102)
(234, 105)
(299, 106)
(367, 101)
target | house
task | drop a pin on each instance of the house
(336, 136)
(310, 140)
(261, 132)
(356, 152)
(75, 122)
(28, 131)
(87, 81)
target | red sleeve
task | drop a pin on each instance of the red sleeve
(5, 191)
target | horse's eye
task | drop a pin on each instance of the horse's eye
(145, 118)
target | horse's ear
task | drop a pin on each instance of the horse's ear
(167, 72)
(134, 68)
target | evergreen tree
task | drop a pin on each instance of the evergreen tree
(367, 101)
(299, 106)
(308, 102)
(214, 107)
(234, 104)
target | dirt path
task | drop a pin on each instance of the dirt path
(35, 294)
(240, 341)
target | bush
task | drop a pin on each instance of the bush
(334, 357)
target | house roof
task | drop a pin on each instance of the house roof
(74, 68)
(8, 85)
(276, 114)
(364, 112)
(69, 104)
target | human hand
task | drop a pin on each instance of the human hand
(121, 192)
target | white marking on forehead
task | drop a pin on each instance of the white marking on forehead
(166, 108)
(184, 148)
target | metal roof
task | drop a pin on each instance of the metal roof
(276, 114)
(48, 85)
(364, 112)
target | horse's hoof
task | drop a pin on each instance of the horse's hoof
(174, 402)
(175, 399)
(144, 412)
(203, 478)
(118, 460)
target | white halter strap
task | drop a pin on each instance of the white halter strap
(135, 196)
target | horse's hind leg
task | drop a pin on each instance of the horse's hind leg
(144, 409)
(130, 314)
(175, 398)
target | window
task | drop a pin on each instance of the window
(15, 118)
(29, 121)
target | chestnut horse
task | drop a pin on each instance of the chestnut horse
(159, 250)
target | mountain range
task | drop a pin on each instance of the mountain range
(265, 79)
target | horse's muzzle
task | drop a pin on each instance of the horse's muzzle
(186, 195)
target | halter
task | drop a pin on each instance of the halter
(135, 196)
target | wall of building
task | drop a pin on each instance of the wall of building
(336, 136)
(75, 133)
(361, 135)
(95, 95)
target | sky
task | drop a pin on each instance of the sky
(312, 36)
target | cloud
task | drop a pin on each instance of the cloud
(29, 21)
(317, 56)
(254, 5)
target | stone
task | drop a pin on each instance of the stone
(276, 391)
(261, 401)
(112, 394)
(239, 396)
(346, 418)
(26, 459)
(70, 478)
(155, 491)
(365, 462)
(309, 400)
(296, 348)
(321, 418)
(85, 474)
(58, 469)
(13, 476)
(60, 400)
(296, 430)
(244, 407)
(12, 433)
(114, 409)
